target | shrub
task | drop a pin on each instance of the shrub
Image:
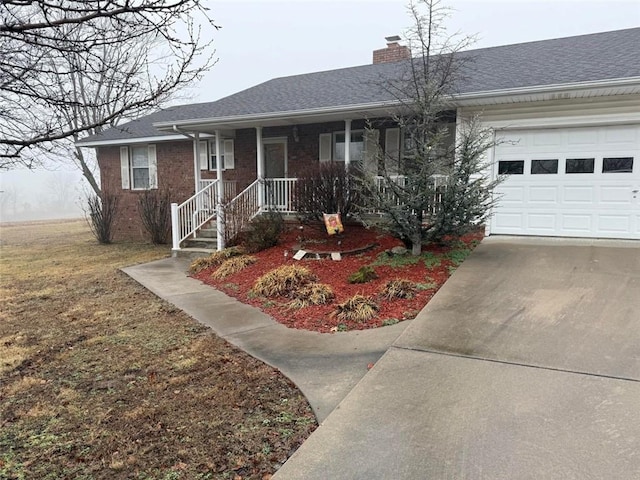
(358, 308)
(399, 288)
(101, 214)
(363, 275)
(263, 232)
(311, 294)
(155, 211)
(216, 258)
(233, 265)
(282, 281)
(325, 188)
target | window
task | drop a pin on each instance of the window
(138, 167)
(544, 167)
(356, 148)
(209, 157)
(579, 165)
(617, 165)
(511, 167)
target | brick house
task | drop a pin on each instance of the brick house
(567, 109)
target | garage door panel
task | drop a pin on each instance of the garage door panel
(576, 223)
(578, 194)
(611, 194)
(542, 223)
(511, 196)
(614, 223)
(625, 137)
(510, 221)
(544, 194)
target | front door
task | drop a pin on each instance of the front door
(275, 157)
(277, 191)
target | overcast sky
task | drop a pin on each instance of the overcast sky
(264, 39)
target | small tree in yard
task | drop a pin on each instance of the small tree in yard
(436, 187)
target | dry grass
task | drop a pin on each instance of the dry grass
(233, 265)
(100, 379)
(399, 288)
(311, 294)
(357, 308)
(283, 281)
(215, 259)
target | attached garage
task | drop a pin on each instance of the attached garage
(569, 182)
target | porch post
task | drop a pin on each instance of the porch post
(196, 161)
(260, 166)
(347, 143)
(219, 192)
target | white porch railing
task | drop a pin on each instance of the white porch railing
(279, 194)
(239, 211)
(188, 217)
(229, 190)
(272, 194)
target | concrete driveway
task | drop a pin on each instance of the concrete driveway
(525, 365)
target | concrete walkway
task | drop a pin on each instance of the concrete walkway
(325, 367)
(525, 365)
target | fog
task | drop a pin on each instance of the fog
(264, 39)
(40, 195)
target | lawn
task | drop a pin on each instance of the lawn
(100, 379)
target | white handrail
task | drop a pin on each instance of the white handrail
(239, 211)
(193, 213)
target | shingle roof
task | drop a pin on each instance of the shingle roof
(571, 60)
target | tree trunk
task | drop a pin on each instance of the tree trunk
(416, 245)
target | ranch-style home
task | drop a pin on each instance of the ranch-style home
(565, 112)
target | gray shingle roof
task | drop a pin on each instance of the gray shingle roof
(584, 58)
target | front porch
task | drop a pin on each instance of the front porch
(258, 168)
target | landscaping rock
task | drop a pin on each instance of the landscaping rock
(399, 250)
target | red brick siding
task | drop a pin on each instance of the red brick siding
(175, 172)
(393, 53)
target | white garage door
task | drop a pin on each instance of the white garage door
(570, 182)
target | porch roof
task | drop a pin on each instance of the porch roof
(587, 65)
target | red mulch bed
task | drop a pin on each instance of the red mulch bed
(335, 273)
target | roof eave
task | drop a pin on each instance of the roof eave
(264, 119)
(619, 86)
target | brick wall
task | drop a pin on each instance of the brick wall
(175, 172)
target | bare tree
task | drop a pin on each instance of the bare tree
(433, 186)
(69, 68)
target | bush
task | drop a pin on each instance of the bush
(325, 188)
(216, 258)
(101, 215)
(155, 211)
(264, 232)
(283, 281)
(399, 288)
(358, 308)
(233, 265)
(363, 275)
(311, 294)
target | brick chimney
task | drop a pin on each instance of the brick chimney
(393, 53)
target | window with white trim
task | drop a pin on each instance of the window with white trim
(138, 167)
(209, 157)
(356, 147)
